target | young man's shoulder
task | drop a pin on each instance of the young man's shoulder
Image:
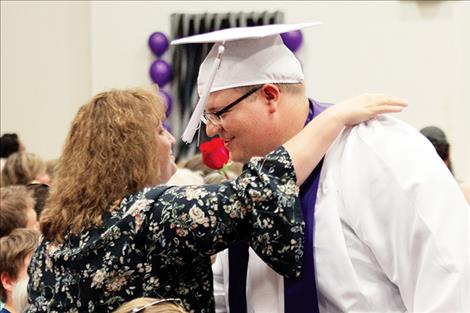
(382, 145)
(388, 134)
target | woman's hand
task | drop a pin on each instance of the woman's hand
(367, 106)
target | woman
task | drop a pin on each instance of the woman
(109, 237)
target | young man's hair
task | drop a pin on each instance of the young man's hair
(14, 202)
(14, 249)
(291, 88)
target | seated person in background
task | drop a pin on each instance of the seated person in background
(9, 144)
(40, 193)
(439, 140)
(184, 177)
(217, 178)
(113, 233)
(51, 168)
(16, 250)
(21, 168)
(152, 305)
(196, 164)
(16, 209)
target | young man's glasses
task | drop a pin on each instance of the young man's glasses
(215, 118)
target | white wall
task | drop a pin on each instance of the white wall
(414, 49)
(45, 70)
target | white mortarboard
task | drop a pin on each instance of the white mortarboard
(243, 56)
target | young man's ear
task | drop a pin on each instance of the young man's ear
(7, 282)
(272, 95)
(271, 92)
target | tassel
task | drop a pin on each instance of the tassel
(195, 120)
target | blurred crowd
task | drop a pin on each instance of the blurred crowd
(25, 181)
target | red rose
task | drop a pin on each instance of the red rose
(214, 153)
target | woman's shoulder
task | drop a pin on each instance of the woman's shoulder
(141, 199)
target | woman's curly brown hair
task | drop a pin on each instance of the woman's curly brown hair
(111, 151)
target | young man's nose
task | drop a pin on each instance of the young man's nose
(212, 130)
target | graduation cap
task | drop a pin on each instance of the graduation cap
(242, 56)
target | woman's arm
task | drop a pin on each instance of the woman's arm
(309, 146)
(261, 205)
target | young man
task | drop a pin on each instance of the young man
(387, 228)
(16, 250)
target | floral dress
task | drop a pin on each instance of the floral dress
(158, 242)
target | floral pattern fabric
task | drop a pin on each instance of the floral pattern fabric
(158, 242)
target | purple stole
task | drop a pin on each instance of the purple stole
(300, 294)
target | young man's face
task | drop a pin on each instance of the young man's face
(246, 127)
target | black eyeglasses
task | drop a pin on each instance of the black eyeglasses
(215, 118)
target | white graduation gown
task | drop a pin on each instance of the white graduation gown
(391, 230)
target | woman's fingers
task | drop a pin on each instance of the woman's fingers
(390, 108)
(367, 106)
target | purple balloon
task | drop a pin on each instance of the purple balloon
(168, 100)
(158, 43)
(160, 72)
(293, 40)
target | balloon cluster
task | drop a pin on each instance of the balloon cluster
(293, 40)
(160, 70)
